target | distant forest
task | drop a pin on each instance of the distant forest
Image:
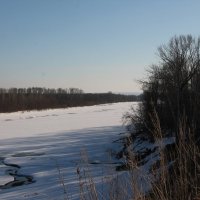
(37, 98)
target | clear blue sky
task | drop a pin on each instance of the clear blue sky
(96, 45)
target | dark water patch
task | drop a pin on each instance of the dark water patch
(104, 163)
(103, 110)
(31, 117)
(19, 179)
(25, 154)
(8, 120)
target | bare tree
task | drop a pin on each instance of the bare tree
(173, 85)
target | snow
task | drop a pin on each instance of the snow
(51, 145)
(25, 124)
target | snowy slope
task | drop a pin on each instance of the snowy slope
(46, 146)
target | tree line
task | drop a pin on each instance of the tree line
(40, 90)
(20, 99)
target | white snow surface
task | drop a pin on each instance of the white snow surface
(47, 145)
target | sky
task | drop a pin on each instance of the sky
(95, 45)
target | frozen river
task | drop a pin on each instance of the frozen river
(41, 151)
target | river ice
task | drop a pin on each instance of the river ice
(51, 145)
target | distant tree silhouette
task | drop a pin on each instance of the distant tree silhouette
(15, 99)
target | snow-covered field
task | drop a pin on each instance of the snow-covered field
(44, 147)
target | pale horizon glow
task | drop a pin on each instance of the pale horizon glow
(98, 46)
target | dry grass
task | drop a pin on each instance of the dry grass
(180, 181)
